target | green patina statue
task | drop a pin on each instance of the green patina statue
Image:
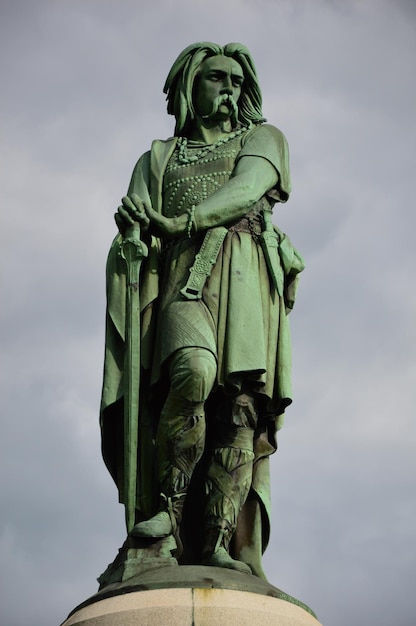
(199, 287)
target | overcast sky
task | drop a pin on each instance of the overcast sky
(81, 84)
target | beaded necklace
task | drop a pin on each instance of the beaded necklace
(185, 157)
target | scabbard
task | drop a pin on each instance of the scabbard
(270, 245)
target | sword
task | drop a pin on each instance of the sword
(133, 251)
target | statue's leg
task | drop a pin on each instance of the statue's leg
(180, 437)
(228, 482)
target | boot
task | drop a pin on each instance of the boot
(179, 446)
(165, 522)
(216, 553)
(227, 486)
(178, 451)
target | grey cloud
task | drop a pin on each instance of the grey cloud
(84, 98)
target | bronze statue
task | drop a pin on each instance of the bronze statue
(198, 361)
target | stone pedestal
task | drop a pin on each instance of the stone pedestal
(192, 596)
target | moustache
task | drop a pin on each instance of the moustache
(229, 101)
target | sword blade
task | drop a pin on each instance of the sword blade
(133, 251)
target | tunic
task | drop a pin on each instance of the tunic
(238, 319)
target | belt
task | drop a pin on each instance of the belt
(248, 224)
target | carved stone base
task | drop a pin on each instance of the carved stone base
(192, 607)
(192, 596)
(137, 556)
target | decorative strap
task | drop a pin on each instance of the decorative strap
(204, 262)
(174, 505)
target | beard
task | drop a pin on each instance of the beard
(228, 100)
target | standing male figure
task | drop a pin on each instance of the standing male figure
(215, 293)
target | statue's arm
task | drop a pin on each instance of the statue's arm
(253, 176)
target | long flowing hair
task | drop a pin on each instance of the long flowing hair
(179, 85)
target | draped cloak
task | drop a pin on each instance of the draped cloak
(240, 319)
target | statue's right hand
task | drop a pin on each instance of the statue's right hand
(131, 210)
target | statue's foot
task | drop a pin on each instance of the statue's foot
(221, 558)
(159, 525)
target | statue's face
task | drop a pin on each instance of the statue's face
(218, 88)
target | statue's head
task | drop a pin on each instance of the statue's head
(182, 83)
